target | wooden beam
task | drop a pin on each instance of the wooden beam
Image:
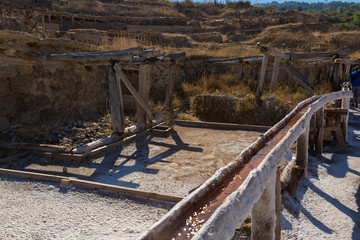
(145, 79)
(90, 184)
(260, 84)
(302, 83)
(229, 126)
(275, 73)
(298, 73)
(12, 158)
(170, 85)
(121, 75)
(116, 102)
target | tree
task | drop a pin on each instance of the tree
(357, 18)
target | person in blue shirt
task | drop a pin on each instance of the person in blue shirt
(355, 85)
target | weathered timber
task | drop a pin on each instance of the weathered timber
(302, 83)
(145, 80)
(319, 142)
(90, 57)
(261, 80)
(278, 204)
(171, 79)
(229, 126)
(263, 214)
(297, 56)
(36, 147)
(296, 173)
(116, 101)
(121, 75)
(12, 158)
(90, 184)
(345, 104)
(298, 73)
(302, 151)
(275, 74)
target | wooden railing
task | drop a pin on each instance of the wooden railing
(249, 184)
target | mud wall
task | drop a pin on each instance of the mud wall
(42, 94)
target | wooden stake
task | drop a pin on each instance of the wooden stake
(263, 215)
(275, 74)
(43, 25)
(170, 85)
(145, 72)
(116, 102)
(121, 75)
(259, 89)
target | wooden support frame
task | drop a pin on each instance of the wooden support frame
(121, 75)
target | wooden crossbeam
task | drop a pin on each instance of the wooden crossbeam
(302, 83)
(121, 75)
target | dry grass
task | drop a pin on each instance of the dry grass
(119, 43)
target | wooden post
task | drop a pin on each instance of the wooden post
(302, 151)
(336, 75)
(61, 21)
(145, 73)
(116, 102)
(173, 75)
(275, 73)
(260, 84)
(345, 104)
(49, 17)
(320, 131)
(73, 20)
(278, 204)
(263, 215)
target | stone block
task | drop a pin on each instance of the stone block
(4, 123)
(4, 86)
(8, 71)
(9, 105)
(23, 84)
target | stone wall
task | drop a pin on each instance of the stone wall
(47, 93)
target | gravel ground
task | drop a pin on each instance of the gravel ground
(327, 204)
(35, 210)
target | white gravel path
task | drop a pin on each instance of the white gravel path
(327, 205)
(35, 210)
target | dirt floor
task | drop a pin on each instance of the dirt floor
(173, 165)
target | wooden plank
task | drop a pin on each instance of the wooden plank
(261, 80)
(43, 27)
(302, 83)
(229, 126)
(145, 73)
(12, 158)
(91, 184)
(116, 102)
(296, 56)
(36, 147)
(275, 74)
(121, 75)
